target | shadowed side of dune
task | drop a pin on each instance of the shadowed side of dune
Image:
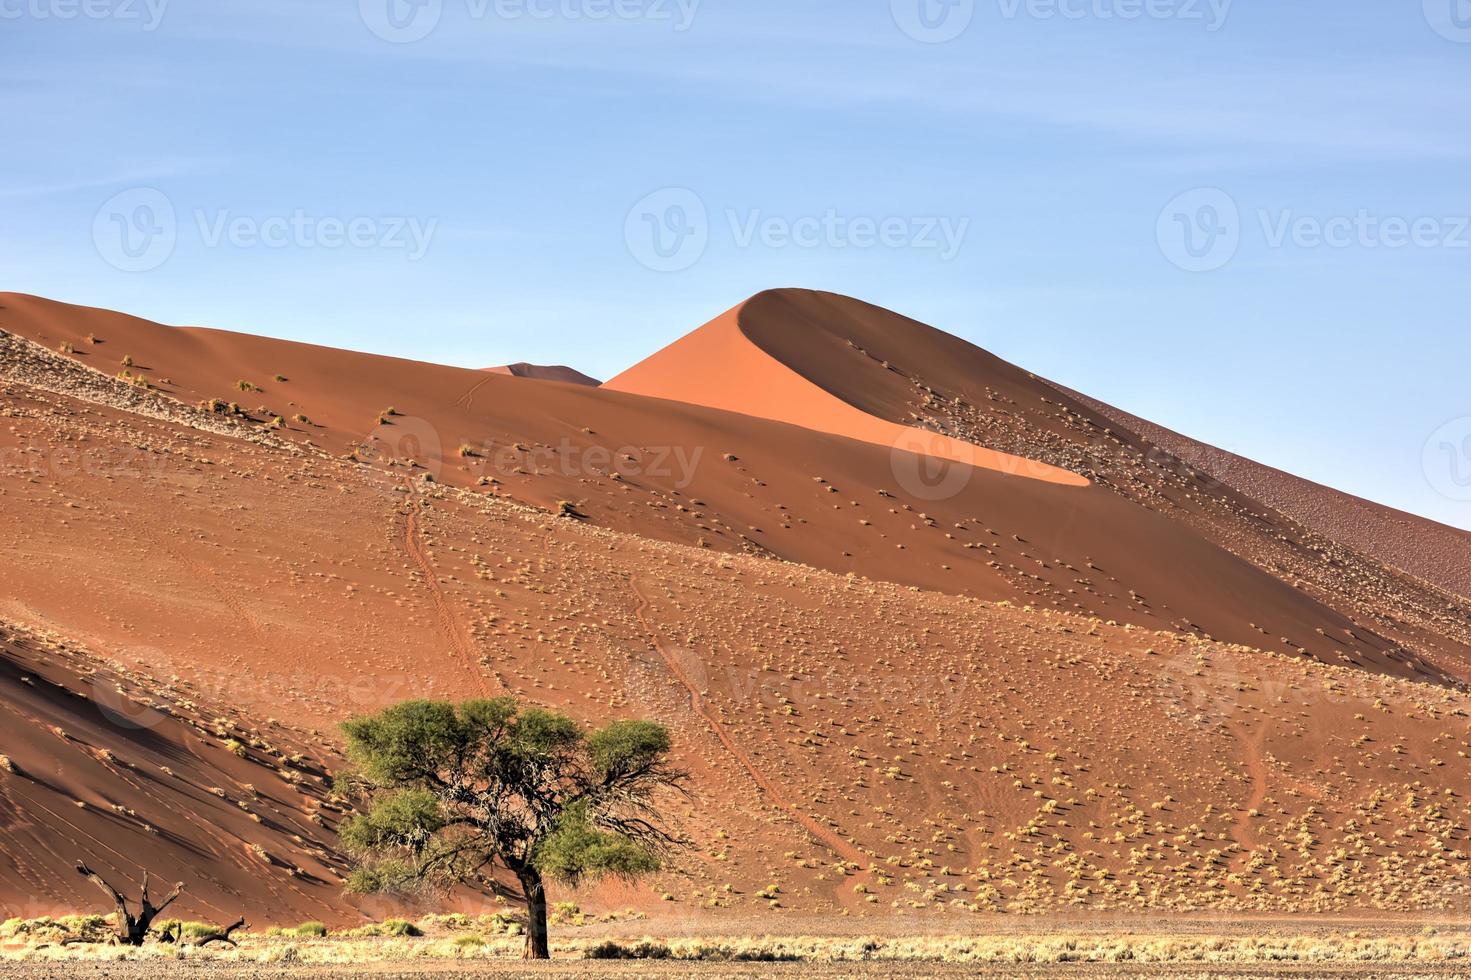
(126, 776)
(718, 366)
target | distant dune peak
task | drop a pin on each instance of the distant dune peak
(728, 364)
(546, 372)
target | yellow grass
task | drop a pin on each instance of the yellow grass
(463, 938)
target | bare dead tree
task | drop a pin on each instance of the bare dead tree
(131, 929)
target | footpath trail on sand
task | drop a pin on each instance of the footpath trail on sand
(1256, 769)
(450, 626)
(842, 848)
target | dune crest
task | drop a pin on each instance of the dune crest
(718, 366)
(546, 372)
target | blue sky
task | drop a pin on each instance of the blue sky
(1247, 221)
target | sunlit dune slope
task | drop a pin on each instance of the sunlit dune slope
(865, 747)
(723, 480)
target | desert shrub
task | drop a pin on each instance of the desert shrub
(186, 930)
(399, 927)
(306, 929)
(469, 941)
(609, 950)
(745, 955)
(48, 930)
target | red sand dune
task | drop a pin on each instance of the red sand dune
(547, 372)
(819, 625)
(718, 366)
(1422, 547)
(863, 359)
(803, 495)
(106, 767)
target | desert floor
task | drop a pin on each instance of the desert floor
(829, 971)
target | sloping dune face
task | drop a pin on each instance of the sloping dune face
(840, 731)
(697, 475)
(130, 774)
(855, 708)
(721, 366)
(884, 366)
(1429, 549)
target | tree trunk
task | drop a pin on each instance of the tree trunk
(132, 929)
(537, 947)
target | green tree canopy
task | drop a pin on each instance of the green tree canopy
(460, 791)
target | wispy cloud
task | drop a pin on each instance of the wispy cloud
(162, 170)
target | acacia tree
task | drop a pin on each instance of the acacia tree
(460, 792)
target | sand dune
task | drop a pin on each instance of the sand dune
(546, 372)
(903, 688)
(719, 366)
(1421, 547)
(734, 482)
(879, 365)
(130, 775)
